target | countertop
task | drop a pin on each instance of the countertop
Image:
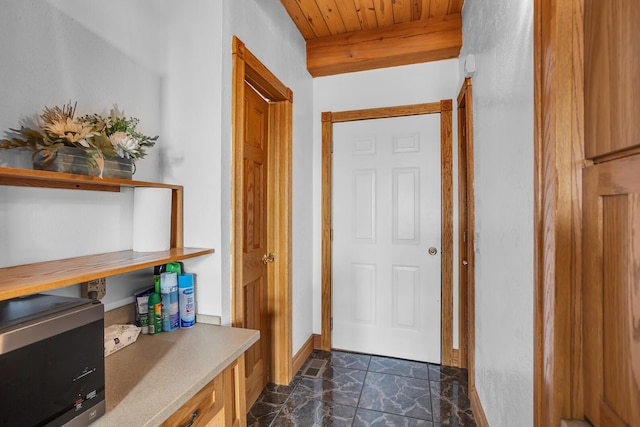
(150, 379)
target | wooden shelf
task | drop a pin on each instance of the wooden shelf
(44, 179)
(44, 276)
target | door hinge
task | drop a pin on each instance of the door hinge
(332, 323)
(332, 234)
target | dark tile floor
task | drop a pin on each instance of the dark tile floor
(362, 390)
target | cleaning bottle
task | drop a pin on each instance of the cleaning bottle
(174, 267)
(155, 314)
(186, 300)
(157, 271)
(169, 294)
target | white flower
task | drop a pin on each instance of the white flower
(124, 144)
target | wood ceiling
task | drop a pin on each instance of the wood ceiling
(354, 35)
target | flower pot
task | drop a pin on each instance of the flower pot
(74, 160)
(19, 157)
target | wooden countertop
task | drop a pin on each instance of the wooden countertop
(149, 380)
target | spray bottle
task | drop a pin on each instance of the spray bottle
(155, 314)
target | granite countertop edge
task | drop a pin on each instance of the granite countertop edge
(143, 406)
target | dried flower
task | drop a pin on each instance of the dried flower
(70, 130)
(57, 114)
(114, 135)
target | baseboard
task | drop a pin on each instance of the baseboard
(303, 354)
(208, 319)
(476, 407)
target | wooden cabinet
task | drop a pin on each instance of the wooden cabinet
(611, 214)
(202, 408)
(611, 73)
(219, 403)
(38, 277)
(611, 254)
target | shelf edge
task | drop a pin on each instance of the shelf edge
(84, 268)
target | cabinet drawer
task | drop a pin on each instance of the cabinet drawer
(201, 408)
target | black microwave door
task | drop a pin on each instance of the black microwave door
(50, 382)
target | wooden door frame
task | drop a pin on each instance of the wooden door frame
(466, 221)
(246, 67)
(444, 108)
(559, 158)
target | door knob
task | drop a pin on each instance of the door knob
(464, 262)
(432, 251)
(268, 258)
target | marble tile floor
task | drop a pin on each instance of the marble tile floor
(362, 390)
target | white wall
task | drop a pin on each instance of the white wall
(268, 32)
(192, 126)
(411, 84)
(500, 35)
(137, 27)
(199, 137)
(168, 63)
(49, 58)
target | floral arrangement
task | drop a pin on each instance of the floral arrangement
(113, 136)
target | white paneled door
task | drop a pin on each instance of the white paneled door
(386, 218)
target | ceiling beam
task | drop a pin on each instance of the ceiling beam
(413, 42)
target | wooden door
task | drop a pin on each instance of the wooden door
(611, 254)
(387, 237)
(254, 242)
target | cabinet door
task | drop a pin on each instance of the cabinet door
(612, 76)
(201, 408)
(611, 274)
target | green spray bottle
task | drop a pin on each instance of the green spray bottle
(157, 271)
(174, 267)
(155, 314)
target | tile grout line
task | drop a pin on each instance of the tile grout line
(355, 414)
(286, 400)
(430, 397)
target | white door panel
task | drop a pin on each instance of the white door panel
(386, 215)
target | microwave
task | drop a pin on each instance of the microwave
(51, 361)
